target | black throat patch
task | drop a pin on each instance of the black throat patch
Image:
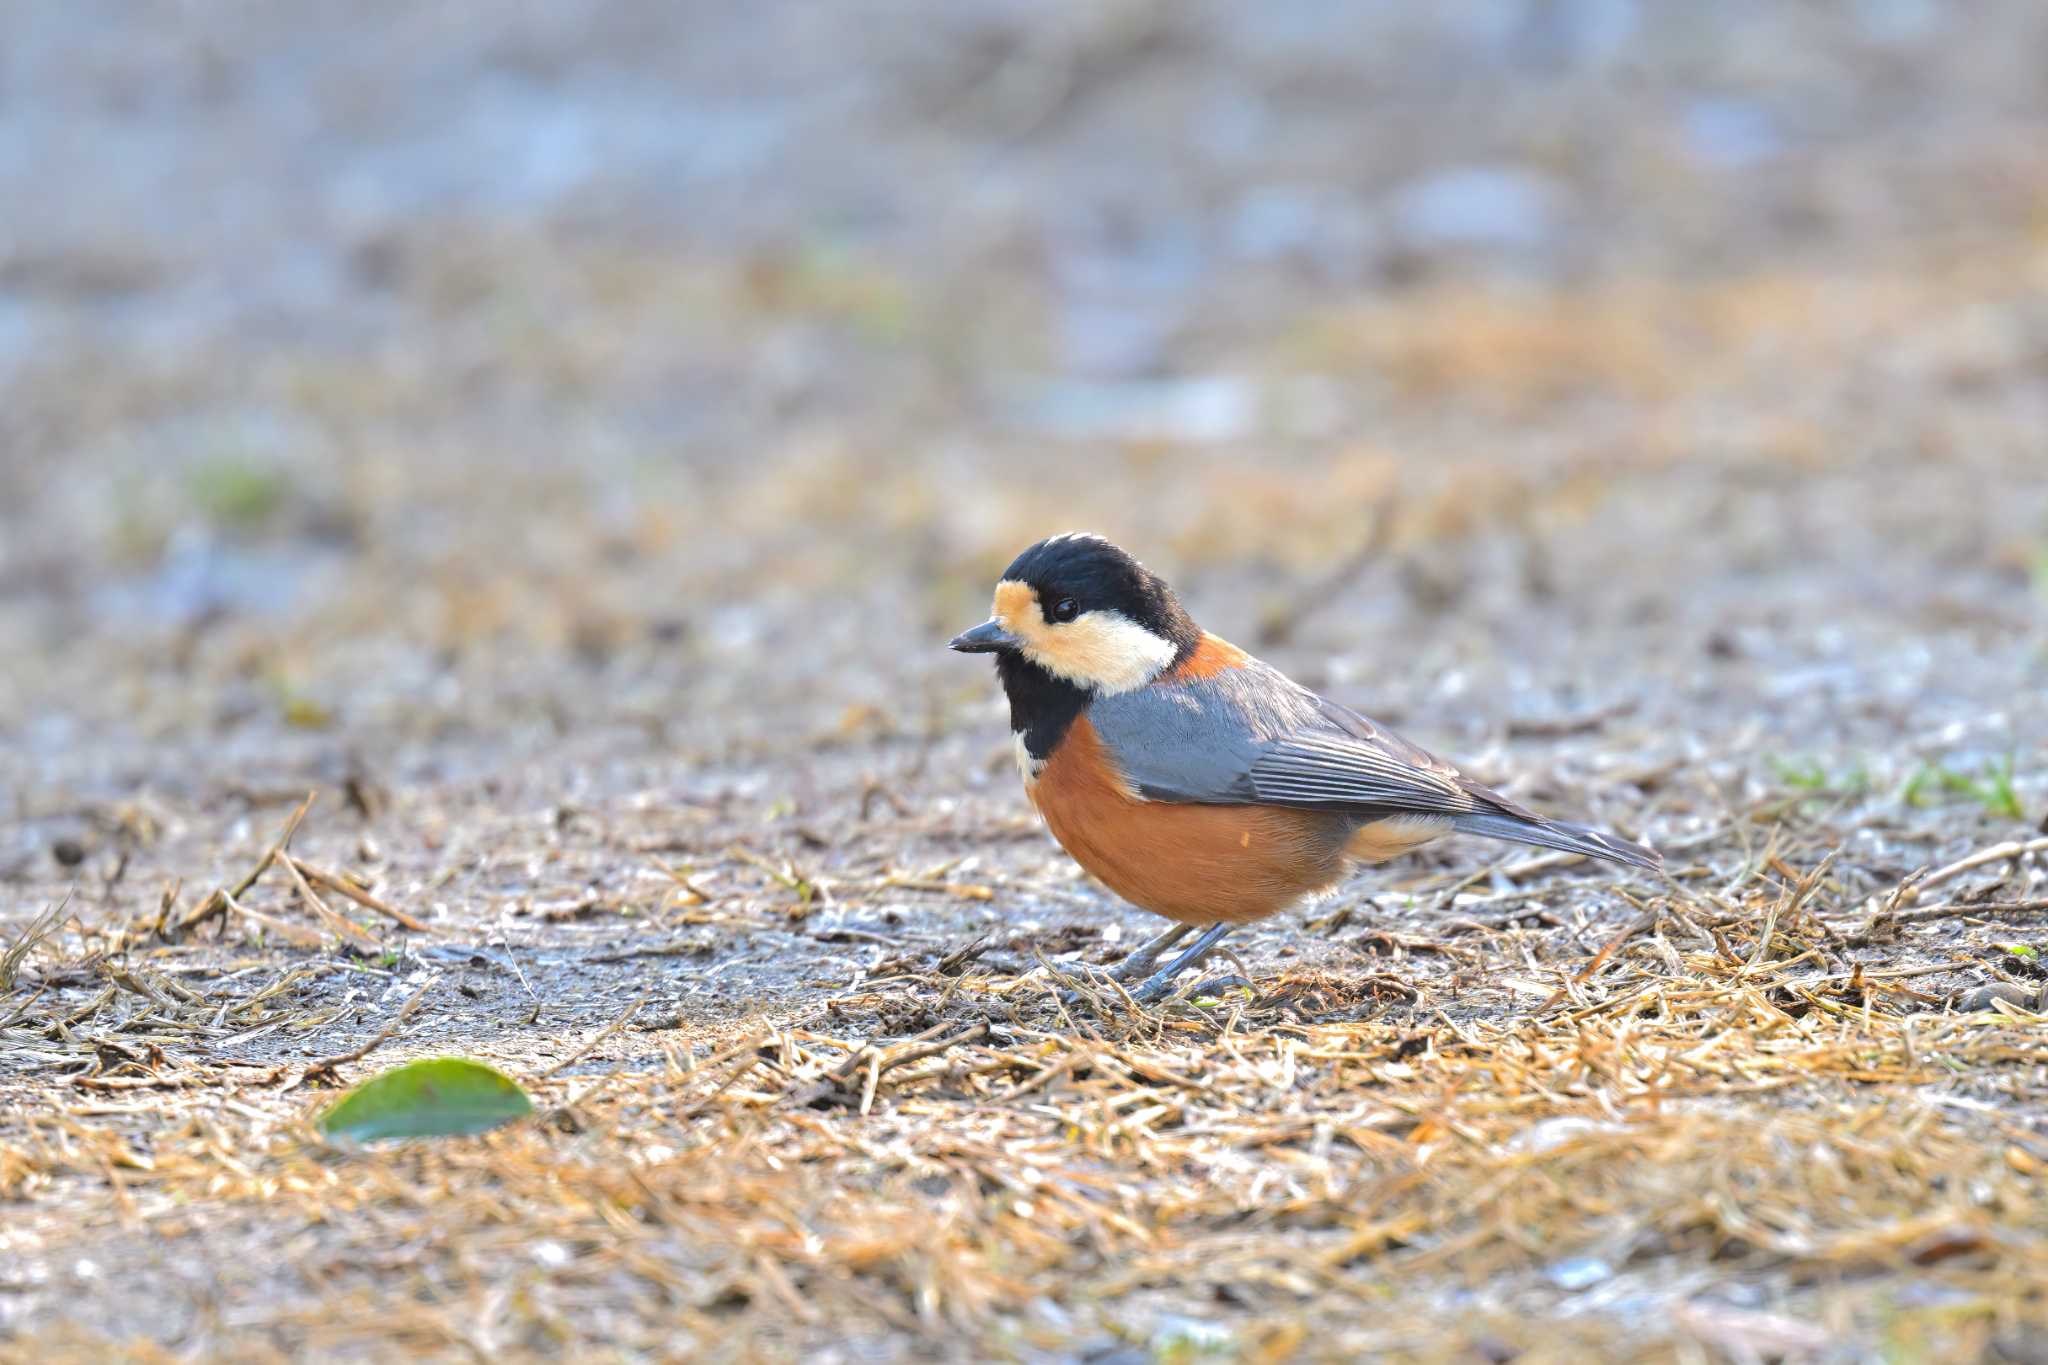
(1042, 707)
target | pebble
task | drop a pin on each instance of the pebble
(1983, 997)
(1579, 1272)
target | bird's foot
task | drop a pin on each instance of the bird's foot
(1206, 991)
(1137, 964)
(1159, 984)
(1140, 961)
(1086, 982)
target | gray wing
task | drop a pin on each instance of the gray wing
(1250, 734)
(1344, 760)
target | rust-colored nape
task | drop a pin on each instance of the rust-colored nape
(1214, 655)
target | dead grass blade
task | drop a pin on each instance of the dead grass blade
(341, 885)
(324, 1068)
(32, 936)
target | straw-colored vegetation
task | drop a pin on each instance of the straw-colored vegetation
(1750, 1097)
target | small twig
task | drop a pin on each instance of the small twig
(607, 1031)
(971, 891)
(167, 903)
(343, 930)
(27, 1008)
(324, 1067)
(844, 935)
(844, 1071)
(873, 790)
(697, 894)
(32, 935)
(284, 838)
(1879, 974)
(284, 929)
(1997, 853)
(511, 960)
(832, 1085)
(688, 947)
(216, 903)
(223, 899)
(973, 1033)
(291, 827)
(1802, 893)
(1048, 1075)
(805, 888)
(1965, 909)
(751, 1046)
(1473, 925)
(1560, 726)
(342, 885)
(1541, 862)
(1643, 921)
(951, 963)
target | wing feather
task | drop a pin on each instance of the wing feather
(1250, 734)
(1341, 770)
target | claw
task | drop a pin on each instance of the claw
(1136, 966)
(1160, 982)
(1216, 985)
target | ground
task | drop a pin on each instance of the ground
(561, 444)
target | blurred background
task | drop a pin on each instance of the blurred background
(417, 393)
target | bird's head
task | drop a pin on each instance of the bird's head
(1082, 610)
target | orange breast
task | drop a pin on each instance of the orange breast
(1195, 864)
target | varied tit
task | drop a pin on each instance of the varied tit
(1196, 781)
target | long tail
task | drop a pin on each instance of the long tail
(1529, 828)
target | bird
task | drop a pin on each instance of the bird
(1197, 781)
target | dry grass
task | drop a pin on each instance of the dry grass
(1511, 1112)
(1743, 1122)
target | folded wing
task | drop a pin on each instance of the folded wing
(1250, 735)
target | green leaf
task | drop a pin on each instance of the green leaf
(436, 1097)
(1806, 774)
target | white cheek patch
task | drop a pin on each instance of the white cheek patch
(1105, 650)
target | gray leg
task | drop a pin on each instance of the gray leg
(1161, 981)
(1146, 956)
(1136, 964)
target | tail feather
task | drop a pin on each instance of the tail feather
(1534, 829)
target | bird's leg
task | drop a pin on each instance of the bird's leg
(1136, 963)
(1145, 956)
(1161, 981)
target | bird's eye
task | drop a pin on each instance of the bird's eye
(1065, 610)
